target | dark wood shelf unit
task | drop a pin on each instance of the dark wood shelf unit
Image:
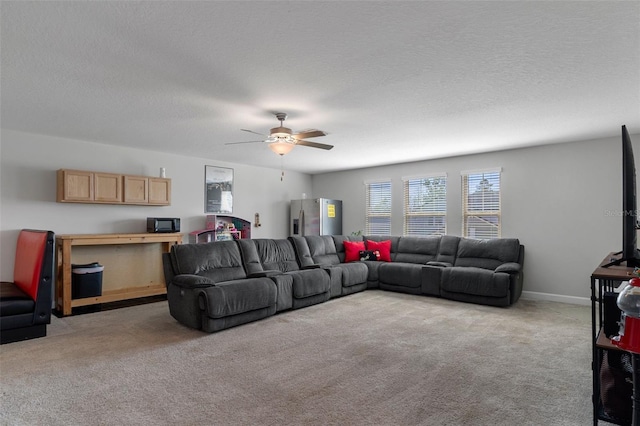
(603, 280)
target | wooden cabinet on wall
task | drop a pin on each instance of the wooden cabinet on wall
(147, 190)
(136, 190)
(107, 188)
(159, 191)
(77, 186)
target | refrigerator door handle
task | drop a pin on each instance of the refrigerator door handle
(302, 224)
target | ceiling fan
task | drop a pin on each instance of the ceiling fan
(282, 140)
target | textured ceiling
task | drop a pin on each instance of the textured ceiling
(388, 81)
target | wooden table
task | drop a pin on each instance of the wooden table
(132, 265)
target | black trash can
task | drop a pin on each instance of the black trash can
(86, 280)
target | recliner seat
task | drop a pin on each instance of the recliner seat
(485, 271)
(277, 259)
(322, 251)
(209, 289)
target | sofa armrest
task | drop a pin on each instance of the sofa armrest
(192, 281)
(265, 273)
(431, 276)
(314, 266)
(510, 267)
(440, 264)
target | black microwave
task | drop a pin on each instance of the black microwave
(163, 224)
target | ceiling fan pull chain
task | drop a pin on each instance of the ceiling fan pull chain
(281, 167)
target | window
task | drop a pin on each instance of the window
(378, 220)
(425, 205)
(481, 204)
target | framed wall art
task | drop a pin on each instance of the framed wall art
(218, 189)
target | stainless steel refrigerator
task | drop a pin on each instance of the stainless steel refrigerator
(318, 216)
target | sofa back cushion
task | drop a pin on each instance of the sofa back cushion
(219, 261)
(338, 241)
(382, 249)
(394, 243)
(448, 249)
(352, 250)
(301, 248)
(322, 250)
(487, 254)
(417, 249)
(250, 258)
(32, 249)
(33, 276)
(276, 254)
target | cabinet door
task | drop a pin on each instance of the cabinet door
(107, 188)
(74, 186)
(160, 191)
(136, 190)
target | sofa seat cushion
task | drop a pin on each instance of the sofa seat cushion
(475, 281)
(374, 270)
(236, 297)
(401, 274)
(354, 273)
(14, 301)
(309, 282)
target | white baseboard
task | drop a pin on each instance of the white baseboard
(534, 295)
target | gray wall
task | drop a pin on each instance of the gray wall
(28, 165)
(562, 202)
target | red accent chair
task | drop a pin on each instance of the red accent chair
(25, 303)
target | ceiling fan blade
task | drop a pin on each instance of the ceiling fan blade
(255, 133)
(314, 144)
(309, 134)
(236, 143)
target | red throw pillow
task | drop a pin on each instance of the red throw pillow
(384, 247)
(352, 250)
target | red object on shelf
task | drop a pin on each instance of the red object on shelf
(628, 338)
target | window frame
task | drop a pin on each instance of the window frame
(380, 214)
(436, 210)
(468, 213)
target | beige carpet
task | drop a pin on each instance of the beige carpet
(373, 358)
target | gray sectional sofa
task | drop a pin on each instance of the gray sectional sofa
(218, 285)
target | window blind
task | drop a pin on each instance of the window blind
(378, 212)
(425, 205)
(481, 204)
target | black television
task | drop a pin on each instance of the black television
(630, 255)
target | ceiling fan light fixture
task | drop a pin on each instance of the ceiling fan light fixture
(281, 139)
(280, 132)
(281, 148)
